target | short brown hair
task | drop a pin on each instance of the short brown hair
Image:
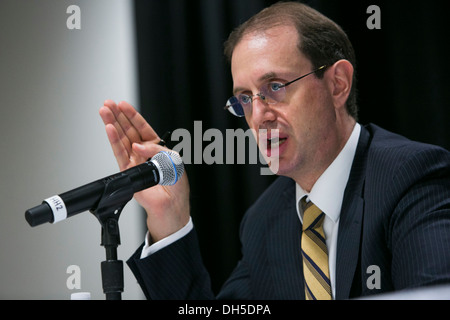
(321, 40)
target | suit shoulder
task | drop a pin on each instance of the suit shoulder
(271, 200)
(395, 162)
(391, 150)
(274, 192)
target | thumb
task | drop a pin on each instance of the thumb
(147, 150)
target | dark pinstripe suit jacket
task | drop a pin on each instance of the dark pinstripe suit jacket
(395, 216)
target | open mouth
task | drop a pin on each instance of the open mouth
(275, 142)
(274, 146)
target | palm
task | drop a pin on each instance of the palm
(134, 141)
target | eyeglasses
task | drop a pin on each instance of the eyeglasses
(270, 92)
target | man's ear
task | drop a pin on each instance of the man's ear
(341, 76)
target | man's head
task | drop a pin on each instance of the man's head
(312, 118)
(322, 41)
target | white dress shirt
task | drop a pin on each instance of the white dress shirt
(327, 194)
(149, 248)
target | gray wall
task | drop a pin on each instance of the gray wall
(52, 82)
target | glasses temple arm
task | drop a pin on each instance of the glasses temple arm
(305, 75)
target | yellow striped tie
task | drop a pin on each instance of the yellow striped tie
(315, 254)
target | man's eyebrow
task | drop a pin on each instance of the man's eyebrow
(264, 77)
(267, 76)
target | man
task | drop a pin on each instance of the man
(381, 202)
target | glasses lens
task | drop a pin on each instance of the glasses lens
(273, 92)
(235, 107)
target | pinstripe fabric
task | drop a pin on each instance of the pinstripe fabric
(165, 276)
(395, 215)
(315, 254)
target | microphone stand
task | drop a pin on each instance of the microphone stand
(117, 193)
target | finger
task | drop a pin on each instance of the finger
(111, 114)
(127, 127)
(138, 123)
(130, 145)
(109, 103)
(120, 152)
(147, 150)
(107, 115)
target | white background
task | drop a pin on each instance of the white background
(52, 83)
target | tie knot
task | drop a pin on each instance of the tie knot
(313, 217)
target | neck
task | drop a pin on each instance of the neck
(307, 177)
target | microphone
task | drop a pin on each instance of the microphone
(165, 168)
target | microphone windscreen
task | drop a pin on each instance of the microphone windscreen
(170, 165)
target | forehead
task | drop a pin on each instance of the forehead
(262, 51)
(277, 32)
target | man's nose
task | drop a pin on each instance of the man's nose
(262, 111)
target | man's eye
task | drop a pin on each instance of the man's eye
(245, 99)
(275, 86)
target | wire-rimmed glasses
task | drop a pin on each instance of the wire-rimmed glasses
(271, 92)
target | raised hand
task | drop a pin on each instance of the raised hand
(133, 141)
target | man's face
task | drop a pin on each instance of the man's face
(306, 118)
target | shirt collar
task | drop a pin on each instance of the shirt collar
(328, 191)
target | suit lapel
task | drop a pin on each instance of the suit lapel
(283, 246)
(350, 223)
(284, 235)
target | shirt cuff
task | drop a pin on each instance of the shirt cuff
(150, 249)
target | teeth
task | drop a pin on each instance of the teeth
(275, 142)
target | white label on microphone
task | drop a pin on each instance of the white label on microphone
(58, 207)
